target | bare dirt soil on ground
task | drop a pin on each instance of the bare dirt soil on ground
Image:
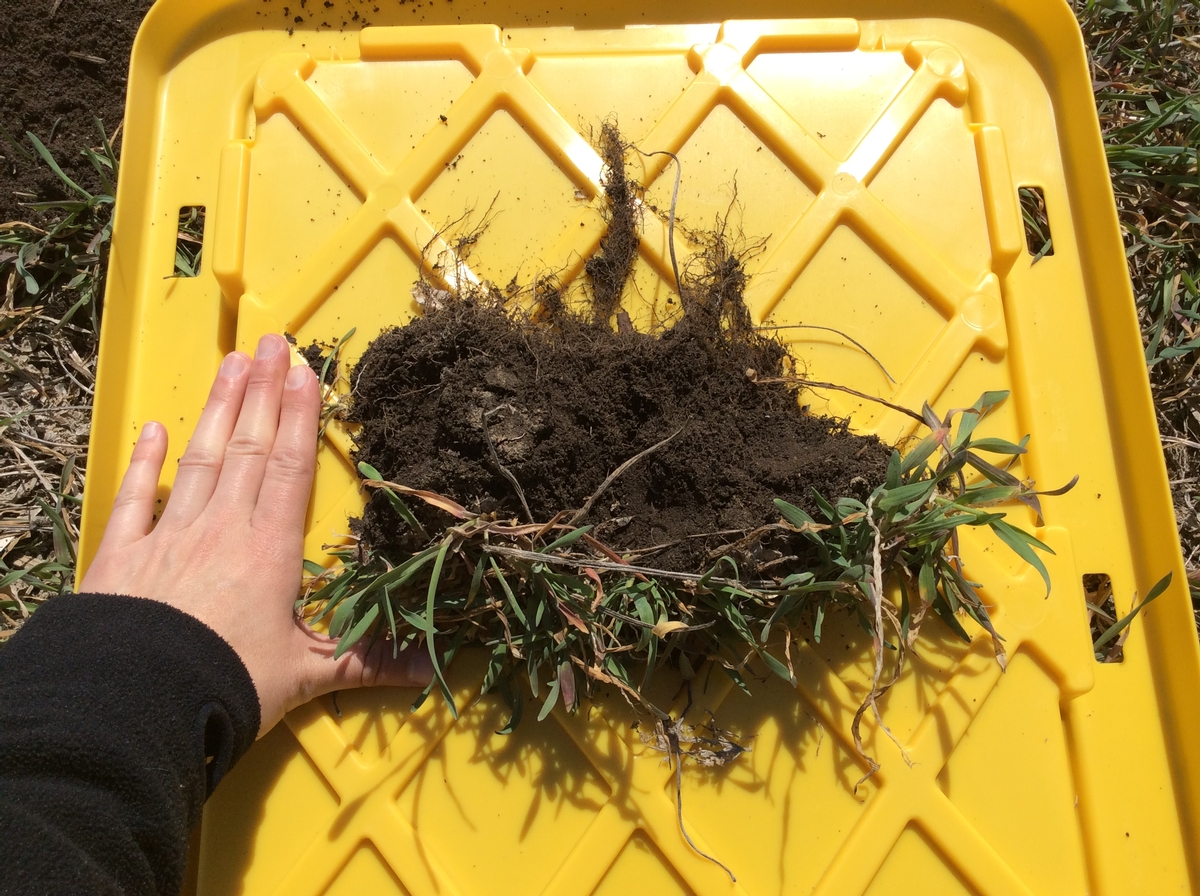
(63, 66)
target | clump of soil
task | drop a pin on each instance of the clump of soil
(316, 356)
(471, 394)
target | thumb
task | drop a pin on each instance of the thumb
(363, 665)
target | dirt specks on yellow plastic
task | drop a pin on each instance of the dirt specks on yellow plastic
(843, 288)
(877, 159)
(527, 207)
(419, 90)
(724, 163)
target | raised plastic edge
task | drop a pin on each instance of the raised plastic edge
(1045, 32)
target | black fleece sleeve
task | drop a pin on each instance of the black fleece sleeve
(118, 716)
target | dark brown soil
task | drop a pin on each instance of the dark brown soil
(609, 268)
(58, 73)
(317, 357)
(565, 405)
(499, 411)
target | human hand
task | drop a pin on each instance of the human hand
(228, 549)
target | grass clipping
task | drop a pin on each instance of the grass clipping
(592, 505)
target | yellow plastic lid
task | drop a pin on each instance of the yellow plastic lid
(878, 148)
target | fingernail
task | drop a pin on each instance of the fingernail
(420, 668)
(268, 347)
(234, 364)
(296, 377)
(149, 431)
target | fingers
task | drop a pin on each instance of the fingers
(253, 437)
(287, 481)
(200, 466)
(363, 665)
(133, 508)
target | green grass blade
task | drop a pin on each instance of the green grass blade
(476, 581)
(101, 164)
(997, 446)
(570, 538)
(331, 595)
(793, 514)
(913, 493)
(1117, 627)
(344, 613)
(994, 473)
(495, 667)
(48, 158)
(943, 611)
(391, 618)
(359, 629)
(1019, 542)
(895, 470)
(919, 455)
(430, 605)
(405, 513)
(508, 592)
(516, 704)
(737, 678)
(551, 699)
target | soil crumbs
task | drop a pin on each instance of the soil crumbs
(563, 405)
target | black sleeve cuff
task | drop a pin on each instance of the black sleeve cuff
(118, 717)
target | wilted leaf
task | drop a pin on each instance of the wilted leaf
(433, 499)
(665, 626)
(572, 617)
(566, 685)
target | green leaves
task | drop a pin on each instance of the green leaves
(570, 538)
(369, 472)
(916, 459)
(1023, 544)
(1123, 623)
(406, 514)
(48, 158)
(972, 415)
(793, 515)
(551, 699)
(430, 603)
(556, 619)
(913, 493)
(67, 257)
(359, 629)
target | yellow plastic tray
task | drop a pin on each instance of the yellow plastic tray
(879, 147)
